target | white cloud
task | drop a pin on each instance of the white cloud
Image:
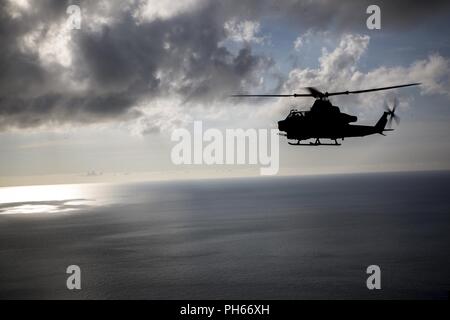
(161, 115)
(16, 8)
(339, 70)
(243, 31)
(298, 43)
(303, 40)
(310, 37)
(165, 9)
(51, 43)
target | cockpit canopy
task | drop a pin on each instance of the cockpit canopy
(295, 114)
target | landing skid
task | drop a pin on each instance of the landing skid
(315, 144)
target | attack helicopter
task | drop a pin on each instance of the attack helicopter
(326, 121)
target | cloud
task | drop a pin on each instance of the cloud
(165, 115)
(347, 15)
(340, 66)
(339, 70)
(132, 57)
(165, 9)
(243, 31)
(106, 71)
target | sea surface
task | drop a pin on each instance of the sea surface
(259, 238)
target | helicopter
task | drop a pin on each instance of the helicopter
(326, 121)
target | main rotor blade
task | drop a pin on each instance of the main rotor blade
(273, 95)
(315, 92)
(318, 94)
(328, 94)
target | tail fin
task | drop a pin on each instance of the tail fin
(381, 124)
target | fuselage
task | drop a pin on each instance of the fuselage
(327, 122)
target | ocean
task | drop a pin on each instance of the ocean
(307, 237)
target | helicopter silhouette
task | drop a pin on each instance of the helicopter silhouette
(326, 121)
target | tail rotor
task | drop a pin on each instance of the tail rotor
(391, 113)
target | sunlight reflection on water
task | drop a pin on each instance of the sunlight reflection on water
(49, 198)
(35, 208)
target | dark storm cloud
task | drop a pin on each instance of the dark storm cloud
(116, 65)
(345, 14)
(126, 60)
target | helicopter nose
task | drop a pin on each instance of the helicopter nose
(282, 125)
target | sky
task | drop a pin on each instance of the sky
(99, 103)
